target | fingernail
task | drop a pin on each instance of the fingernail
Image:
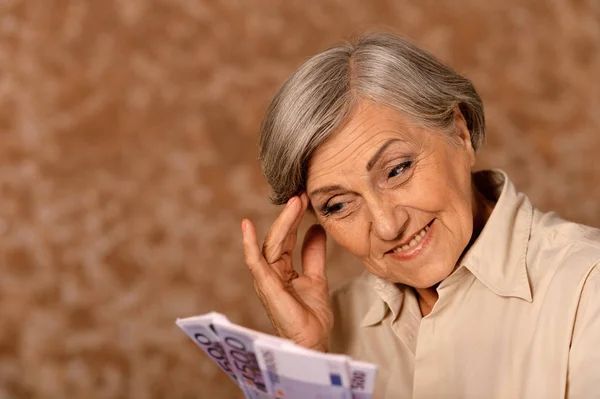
(244, 223)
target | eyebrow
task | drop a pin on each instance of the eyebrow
(325, 190)
(380, 151)
(370, 164)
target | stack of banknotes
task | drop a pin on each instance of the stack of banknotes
(269, 367)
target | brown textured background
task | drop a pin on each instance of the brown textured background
(128, 134)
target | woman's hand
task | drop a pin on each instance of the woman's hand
(298, 305)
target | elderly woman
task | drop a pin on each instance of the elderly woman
(469, 291)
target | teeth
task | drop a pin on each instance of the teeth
(414, 241)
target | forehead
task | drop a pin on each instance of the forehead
(353, 145)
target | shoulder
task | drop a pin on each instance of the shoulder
(561, 251)
(560, 231)
(564, 240)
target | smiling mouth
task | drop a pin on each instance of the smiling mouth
(413, 241)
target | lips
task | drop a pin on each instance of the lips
(413, 241)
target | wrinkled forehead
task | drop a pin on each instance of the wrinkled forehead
(352, 147)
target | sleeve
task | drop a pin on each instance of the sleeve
(583, 379)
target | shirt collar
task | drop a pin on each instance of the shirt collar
(497, 258)
(389, 298)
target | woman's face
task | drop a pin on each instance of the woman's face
(396, 195)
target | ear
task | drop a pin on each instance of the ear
(463, 136)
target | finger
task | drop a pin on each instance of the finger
(268, 277)
(304, 204)
(275, 242)
(290, 240)
(314, 252)
(252, 253)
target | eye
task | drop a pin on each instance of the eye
(399, 169)
(328, 209)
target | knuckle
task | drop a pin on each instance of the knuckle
(249, 261)
(253, 266)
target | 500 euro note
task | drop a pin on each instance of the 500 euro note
(201, 330)
(297, 373)
(267, 367)
(362, 379)
(322, 376)
(239, 344)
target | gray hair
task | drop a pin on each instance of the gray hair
(318, 98)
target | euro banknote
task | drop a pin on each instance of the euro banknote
(269, 367)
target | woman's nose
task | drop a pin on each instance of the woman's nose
(388, 220)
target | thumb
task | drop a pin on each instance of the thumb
(314, 252)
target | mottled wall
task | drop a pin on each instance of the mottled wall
(128, 134)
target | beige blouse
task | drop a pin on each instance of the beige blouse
(518, 318)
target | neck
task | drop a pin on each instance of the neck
(482, 209)
(427, 298)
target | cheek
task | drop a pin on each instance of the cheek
(459, 213)
(444, 190)
(429, 193)
(446, 186)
